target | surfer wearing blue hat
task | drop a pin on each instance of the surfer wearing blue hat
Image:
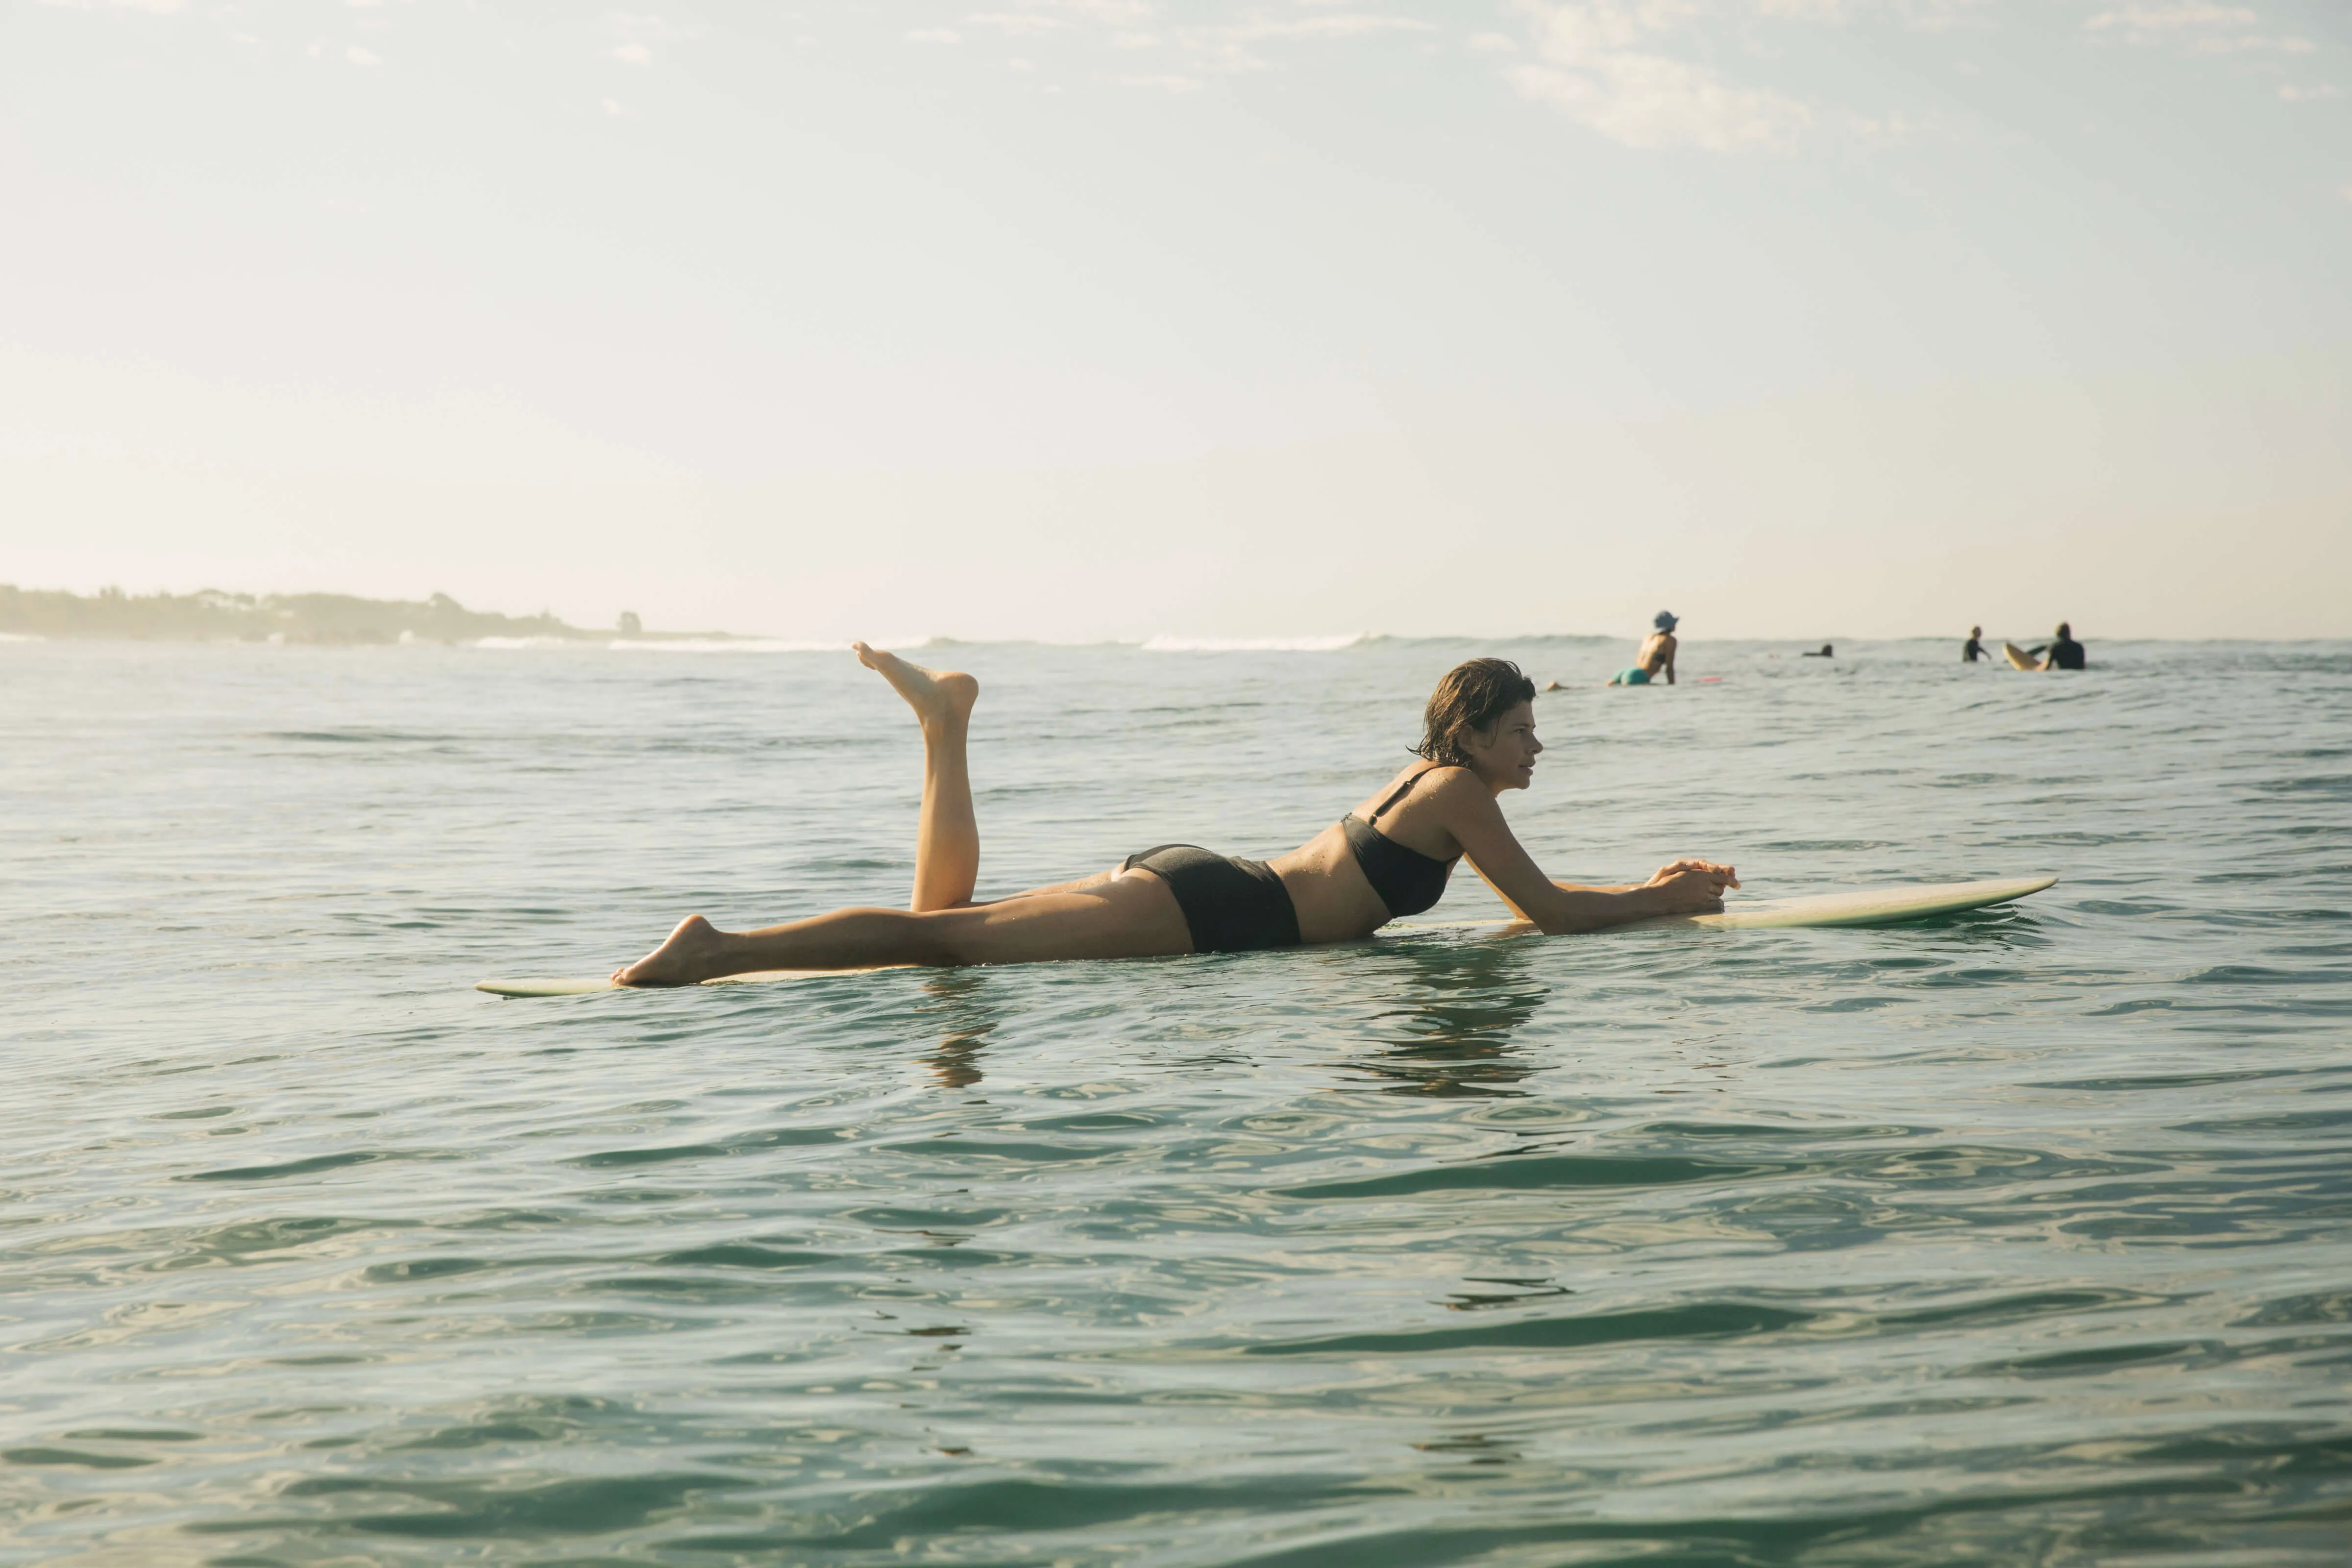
(1657, 654)
(1390, 857)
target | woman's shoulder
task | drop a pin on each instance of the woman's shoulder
(1442, 781)
(1423, 772)
(1415, 781)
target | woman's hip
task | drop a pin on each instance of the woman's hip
(1230, 905)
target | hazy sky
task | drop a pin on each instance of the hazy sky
(1073, 319)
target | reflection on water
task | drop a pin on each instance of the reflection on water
(1457, 1005)
(1472, 1447)
(2019, 1237)
(956, 1005)
(1520, 1292)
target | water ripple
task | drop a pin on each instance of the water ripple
(2020, 1236)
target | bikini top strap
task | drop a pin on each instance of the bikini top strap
(1399, 793)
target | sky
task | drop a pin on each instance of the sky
(1077, 319)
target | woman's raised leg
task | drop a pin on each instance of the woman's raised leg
(1103, 916)
(947, 836)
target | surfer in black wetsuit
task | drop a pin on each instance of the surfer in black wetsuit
(1390, 857)
(1973, 649)
(2064, 654)
(1826, 653)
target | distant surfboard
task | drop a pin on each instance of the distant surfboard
(2018, 657)
(1877, 907)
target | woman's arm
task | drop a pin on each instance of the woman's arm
(1562, 909)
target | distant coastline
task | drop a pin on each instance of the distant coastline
(210, 614)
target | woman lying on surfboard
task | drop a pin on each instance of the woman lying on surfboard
(1390, 857)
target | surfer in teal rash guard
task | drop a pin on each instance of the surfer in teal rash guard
(1657, 654)
(1390, 857)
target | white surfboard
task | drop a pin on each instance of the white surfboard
(1878, 907)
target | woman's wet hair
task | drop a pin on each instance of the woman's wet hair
(1473, 695)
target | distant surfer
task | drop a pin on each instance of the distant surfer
(1826, 653)
(2064, 653)
(1657, 654)
(1973, 649)
(1390, 857)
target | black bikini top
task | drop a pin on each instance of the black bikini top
(1407, 880)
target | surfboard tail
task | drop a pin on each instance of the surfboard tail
(583, 987)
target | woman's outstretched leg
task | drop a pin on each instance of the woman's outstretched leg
(845, 939)
(1109, 916)
(946, 839)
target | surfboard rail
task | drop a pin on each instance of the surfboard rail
(585, 987)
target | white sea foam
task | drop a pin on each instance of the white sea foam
(1329, 643)
(680, 644)
(725, 644)
(21, 637)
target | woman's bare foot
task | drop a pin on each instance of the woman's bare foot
(688, 958)
(937, 696)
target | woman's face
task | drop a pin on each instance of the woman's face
(1504, 756)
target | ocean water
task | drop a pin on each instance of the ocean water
(2017, 1237)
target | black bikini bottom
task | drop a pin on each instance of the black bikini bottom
(1230, 905)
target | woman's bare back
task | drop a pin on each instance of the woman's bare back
(1336, 901)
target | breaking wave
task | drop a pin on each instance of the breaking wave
(725, 644)
(1328, 643)
(664, 645)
